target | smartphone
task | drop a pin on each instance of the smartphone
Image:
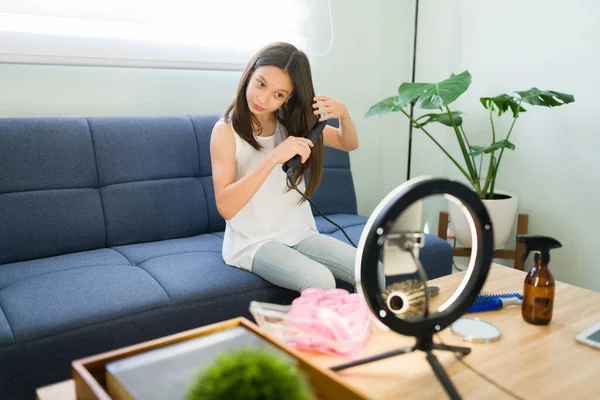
(590, 336)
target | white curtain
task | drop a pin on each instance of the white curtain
(216, 34)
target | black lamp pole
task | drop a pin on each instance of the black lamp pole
(414, 63)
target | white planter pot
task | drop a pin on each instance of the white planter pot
(503, 213)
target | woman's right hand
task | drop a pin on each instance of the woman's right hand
(290, 147)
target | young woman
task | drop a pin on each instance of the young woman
(270, 229)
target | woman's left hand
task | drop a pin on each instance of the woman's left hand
(329, 106)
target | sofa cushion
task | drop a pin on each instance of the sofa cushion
(20, 305)
(199, 276)
(192, 269)
(154, 210)
(45, 297)
(65, 300)
(15, 272)
(203, 125)
(139, 253)
(6, 335)
(36, 224)
(48, 185)
(343, 220)
(148, 171)
(144, 148)
(336, 193)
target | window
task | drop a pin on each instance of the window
(201, 34)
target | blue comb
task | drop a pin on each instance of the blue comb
(490, 301)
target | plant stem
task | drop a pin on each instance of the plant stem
(502, 151)
(438, 144)
(493, 128)
(469, 145)
(489, 177)
(474, 179)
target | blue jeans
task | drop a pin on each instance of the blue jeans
(314, 262)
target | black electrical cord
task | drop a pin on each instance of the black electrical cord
(290, 180)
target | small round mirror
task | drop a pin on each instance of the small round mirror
(474, 330)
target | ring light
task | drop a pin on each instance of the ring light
(394, 231)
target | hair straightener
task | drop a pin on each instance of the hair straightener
(313, 135)
(293, 163)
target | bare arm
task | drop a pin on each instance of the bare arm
(232, 194)
(345, 138)
(347, 133)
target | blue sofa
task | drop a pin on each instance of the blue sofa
(109, 235)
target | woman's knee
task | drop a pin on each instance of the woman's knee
(320, 278)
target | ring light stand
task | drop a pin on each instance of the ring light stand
(394, 229)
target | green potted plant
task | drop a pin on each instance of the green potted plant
(250, 374)
(479, 164)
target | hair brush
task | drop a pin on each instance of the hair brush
(407, 298)
(490, 301)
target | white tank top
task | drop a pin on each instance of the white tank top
(273, 213)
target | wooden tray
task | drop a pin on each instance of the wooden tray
(89, 372)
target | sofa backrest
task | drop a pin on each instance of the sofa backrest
(335, 194)
(75, 184)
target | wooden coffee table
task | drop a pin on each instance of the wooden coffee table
(534, 362)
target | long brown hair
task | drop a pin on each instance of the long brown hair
(296, 116)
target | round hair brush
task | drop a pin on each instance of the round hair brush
(405, 298)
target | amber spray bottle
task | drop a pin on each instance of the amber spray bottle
(538, 290)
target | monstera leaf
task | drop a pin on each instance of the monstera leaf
(477, 150)
(389, 104)
(424, 95)
(503, 103)
(546, 98)
(432, 96)
(533, 96)
(442, 118)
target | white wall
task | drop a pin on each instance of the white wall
(515, 45)
(371, 56)
(371, 52)
(50, 91)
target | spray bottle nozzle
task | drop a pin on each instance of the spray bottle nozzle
(540, 244)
